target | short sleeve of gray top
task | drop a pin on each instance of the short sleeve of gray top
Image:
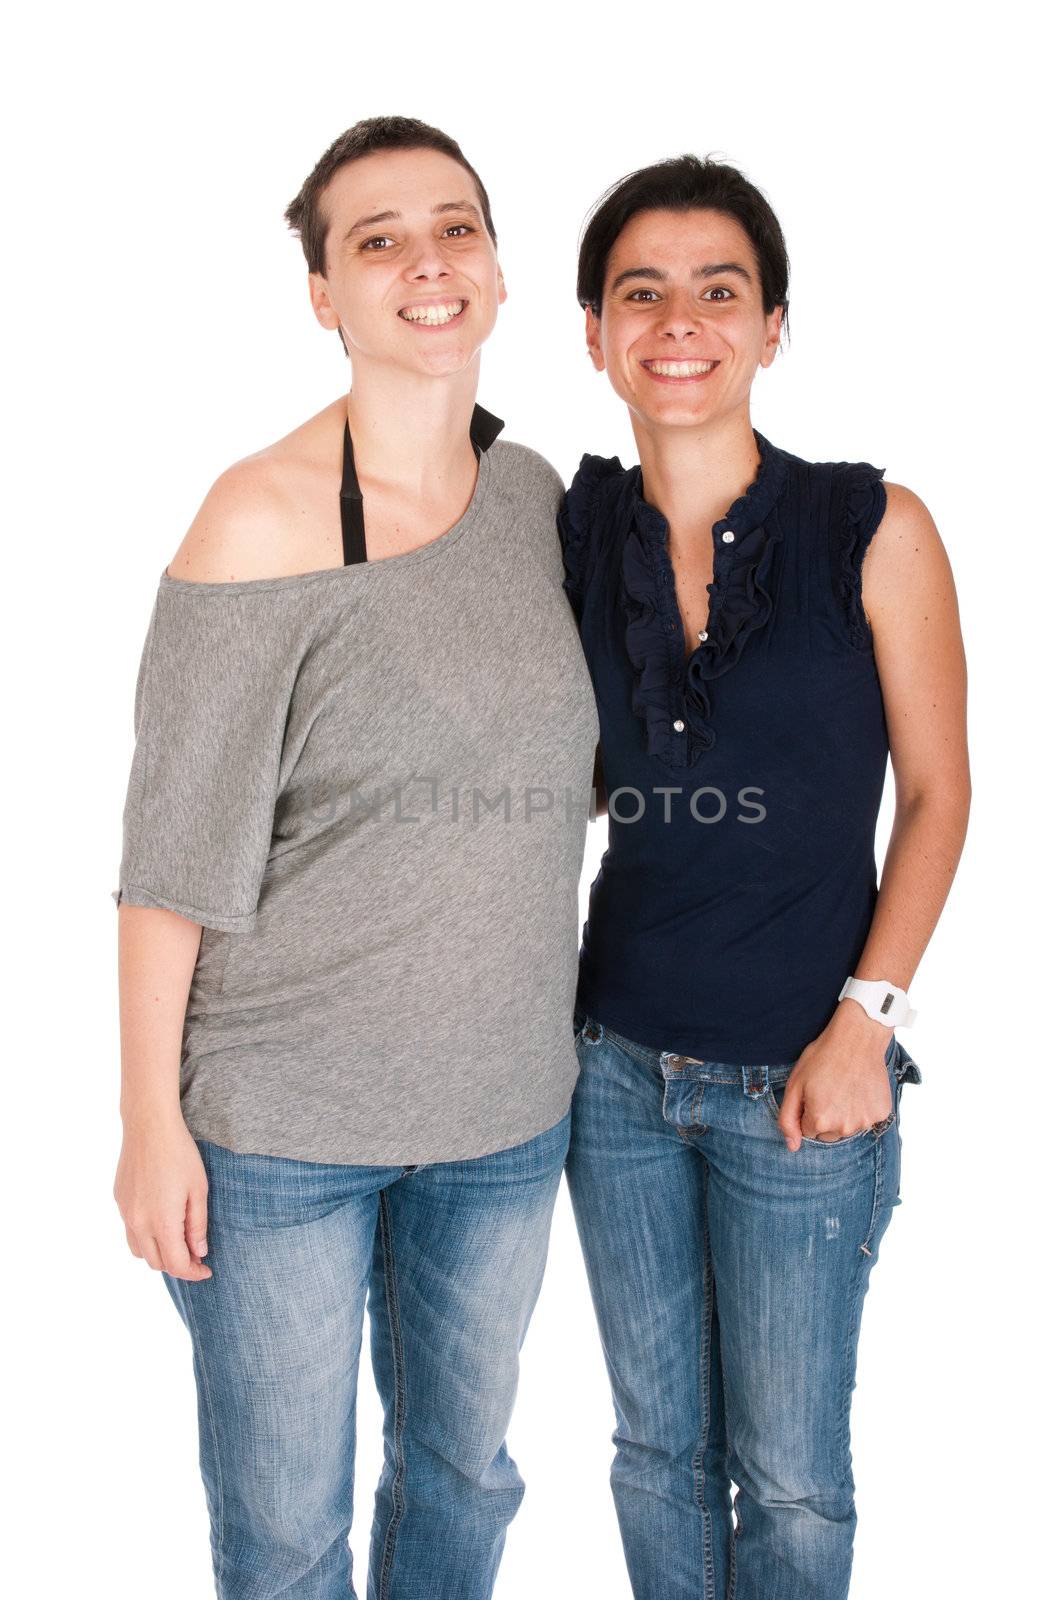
(371, 785)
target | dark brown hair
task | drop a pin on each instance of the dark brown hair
(685, 183)
(304, 215)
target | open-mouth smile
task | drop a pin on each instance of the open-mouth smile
(433, 313)
(679, 371)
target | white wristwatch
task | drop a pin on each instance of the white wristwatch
(885, 1002)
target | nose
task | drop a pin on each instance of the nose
(678, 328)
(678, 322)
(428, 261)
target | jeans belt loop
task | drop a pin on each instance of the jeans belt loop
(754, 1081)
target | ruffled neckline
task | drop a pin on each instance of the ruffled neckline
(670, 688)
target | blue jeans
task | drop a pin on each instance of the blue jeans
(451, 1256)
(728, 1275)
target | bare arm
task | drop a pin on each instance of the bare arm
(161, 1185)
(910, 601)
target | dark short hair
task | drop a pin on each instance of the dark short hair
(684, 183)
(304, 215)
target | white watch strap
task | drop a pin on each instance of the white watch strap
(885, 1002)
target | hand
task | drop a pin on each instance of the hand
(161, 1191)
(840, 1083)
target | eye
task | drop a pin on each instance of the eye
(634, 295)
(380, 238)
(718, 288)
(455, 227)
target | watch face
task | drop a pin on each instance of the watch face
(887, 1003)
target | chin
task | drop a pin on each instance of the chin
(442, 362)
(680, 412)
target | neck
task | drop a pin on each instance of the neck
(411, 430)
(694, 475)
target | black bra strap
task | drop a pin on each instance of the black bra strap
(484, 428)
(483, 431)
(352, 512)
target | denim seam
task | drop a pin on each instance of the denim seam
(845, 1391)
(732, 1552)
(866, 1246)
(703, 1387)
(197, 1345)
(392, 1301)
(732, 1466)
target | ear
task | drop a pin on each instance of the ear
(772, 335)
(321, 301)
(502, 293)
(594, 340)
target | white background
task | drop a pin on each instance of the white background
(157, 327)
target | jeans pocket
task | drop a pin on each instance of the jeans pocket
(774, 1097)
(905, 1070)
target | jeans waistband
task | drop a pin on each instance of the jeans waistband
(753, 1076)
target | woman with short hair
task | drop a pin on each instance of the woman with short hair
(764, 632)
(346, 912)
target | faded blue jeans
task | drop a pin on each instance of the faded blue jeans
(451, 1258)
(728, 1275)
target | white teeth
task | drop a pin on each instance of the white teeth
(433, 315)
(680, 369)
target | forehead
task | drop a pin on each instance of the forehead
(681, 238)
(407, 181)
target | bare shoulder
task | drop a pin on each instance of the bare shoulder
(906, 561)
(238, 529)
(261, 517)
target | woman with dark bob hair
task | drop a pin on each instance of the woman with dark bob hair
(735, 1151)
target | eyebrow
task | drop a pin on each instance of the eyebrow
(710, 270)
(393, 216)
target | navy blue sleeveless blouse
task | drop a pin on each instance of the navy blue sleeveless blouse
(739, 882)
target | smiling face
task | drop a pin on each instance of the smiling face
(682, 328)
(411, 271)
